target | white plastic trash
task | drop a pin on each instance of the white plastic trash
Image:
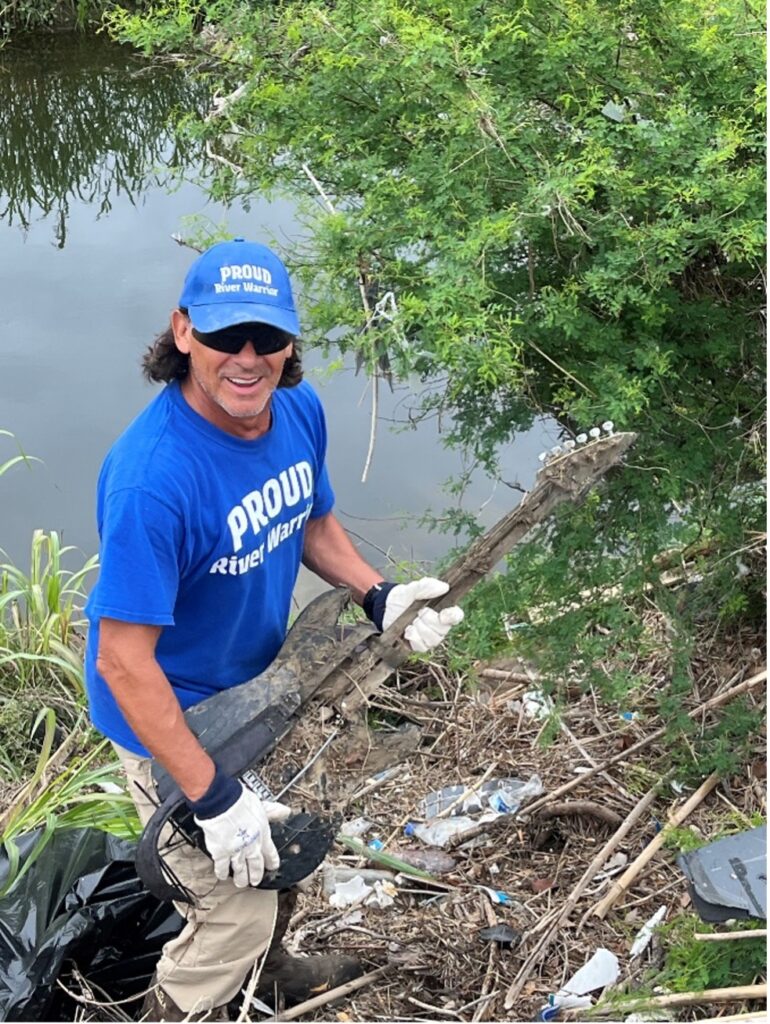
(384, 895)
(601, 970)
(502, 795)
(644, 935)
(357, 827)
(349, 894)
(439, 832)
(510, 794)
(537, 705)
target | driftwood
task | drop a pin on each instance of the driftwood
(554, 928)
(584, 808)
(676, 818)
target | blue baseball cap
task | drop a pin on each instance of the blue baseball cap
(239, 282)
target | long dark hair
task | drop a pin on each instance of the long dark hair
(163, 362)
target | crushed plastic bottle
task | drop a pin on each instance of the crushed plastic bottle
(357, 827)
(504, 796)
(512, 793)
(437, 802)
(439, 832)
(435, 862)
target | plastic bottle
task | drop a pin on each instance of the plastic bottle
(510, 794)
(438, 833)
(504, 796)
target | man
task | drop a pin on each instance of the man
(206, 506)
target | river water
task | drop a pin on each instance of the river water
(88, 275)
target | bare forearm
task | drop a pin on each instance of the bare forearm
(331, 554)
(151, 708)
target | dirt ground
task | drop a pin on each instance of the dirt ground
(440, 731)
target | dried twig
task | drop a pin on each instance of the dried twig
(328, 997)
(676, 818)
(595, 865)
(507, 674)
(256, 972)
(605, 775)
(709, 995)
(756, 933)
(624, 755)
(218, 158)
(369, 318)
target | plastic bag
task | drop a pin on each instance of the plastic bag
(81, 901)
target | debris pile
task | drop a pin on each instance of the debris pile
(479, 909)
(479, 872)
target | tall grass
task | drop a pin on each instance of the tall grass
(41, 644)
(86, 793)
(40, 621)
(55, 772)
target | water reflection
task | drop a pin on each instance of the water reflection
(83, 119)
(85, 132)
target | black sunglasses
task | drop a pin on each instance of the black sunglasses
(265, 339)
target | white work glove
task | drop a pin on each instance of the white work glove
(429, 627)
(239, 837)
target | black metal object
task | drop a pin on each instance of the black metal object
(302, 841)
(239, 727)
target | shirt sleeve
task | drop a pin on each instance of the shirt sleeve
(323, 495)
(138, 561)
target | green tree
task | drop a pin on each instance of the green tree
(566, 201)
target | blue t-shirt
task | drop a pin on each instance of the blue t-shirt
(202, 533)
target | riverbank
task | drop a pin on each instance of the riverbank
(607, 781)
(532, 878)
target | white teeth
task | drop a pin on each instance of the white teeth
(241, 380)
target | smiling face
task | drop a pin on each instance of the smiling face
(231, 391)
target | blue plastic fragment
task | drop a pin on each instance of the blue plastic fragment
(497, 803)
(628, 716)
(549, 1013)
(409, 828)
(500, 897)
(376, 844)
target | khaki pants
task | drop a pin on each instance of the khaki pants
(226, 931)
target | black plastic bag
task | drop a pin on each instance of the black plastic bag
(80, 903)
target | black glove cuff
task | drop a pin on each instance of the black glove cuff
(223, 792)
(375, 600)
